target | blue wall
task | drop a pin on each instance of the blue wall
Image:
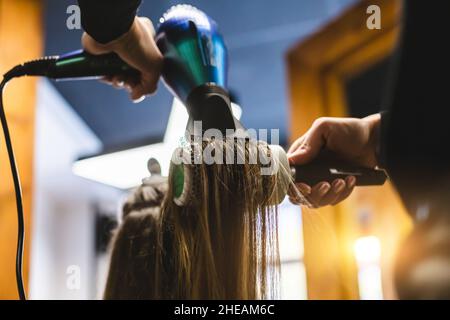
(257, 34)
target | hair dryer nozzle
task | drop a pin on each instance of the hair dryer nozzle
(211, 105)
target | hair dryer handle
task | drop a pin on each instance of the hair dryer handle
(328, 167)
(81, 65)
(110, 64)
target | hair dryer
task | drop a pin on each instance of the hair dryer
(195, 67)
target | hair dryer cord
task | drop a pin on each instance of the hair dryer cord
(18, 193)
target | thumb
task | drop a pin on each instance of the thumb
(309, 149)
(92, 46)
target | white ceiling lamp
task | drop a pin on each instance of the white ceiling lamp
(126, 169)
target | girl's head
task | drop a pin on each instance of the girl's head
(221, 245)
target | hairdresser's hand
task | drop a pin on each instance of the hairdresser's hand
(138, 48)
(351, 139)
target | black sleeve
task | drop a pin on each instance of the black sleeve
(107, 20)
(418, 108)
(418, 128)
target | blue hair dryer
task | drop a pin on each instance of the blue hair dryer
(195, 66)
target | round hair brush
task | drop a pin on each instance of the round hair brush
(273, 162)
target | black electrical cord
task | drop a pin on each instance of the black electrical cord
(95, 66)
(18, 193)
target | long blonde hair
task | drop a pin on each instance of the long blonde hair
(223, 245)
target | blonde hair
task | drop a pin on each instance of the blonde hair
(222, 245)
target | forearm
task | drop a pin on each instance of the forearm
(107, 20)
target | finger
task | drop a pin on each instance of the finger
(297, 143)
(137, 99)
(298, 192)
(304, 188)
(295, 201)
(310, 148)
(137, 93)
(350, 183)
(107, 79)
(318, 192)
(143, 89)
(337, 186)
(115, 81)
(127, 82)
(118, 82)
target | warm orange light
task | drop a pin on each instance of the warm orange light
(367, 252)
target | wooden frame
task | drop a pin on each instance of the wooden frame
(317, 69)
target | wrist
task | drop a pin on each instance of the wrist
(125, 41)
(373, 123)
(116, 45)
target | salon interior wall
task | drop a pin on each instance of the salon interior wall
(63, 261)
